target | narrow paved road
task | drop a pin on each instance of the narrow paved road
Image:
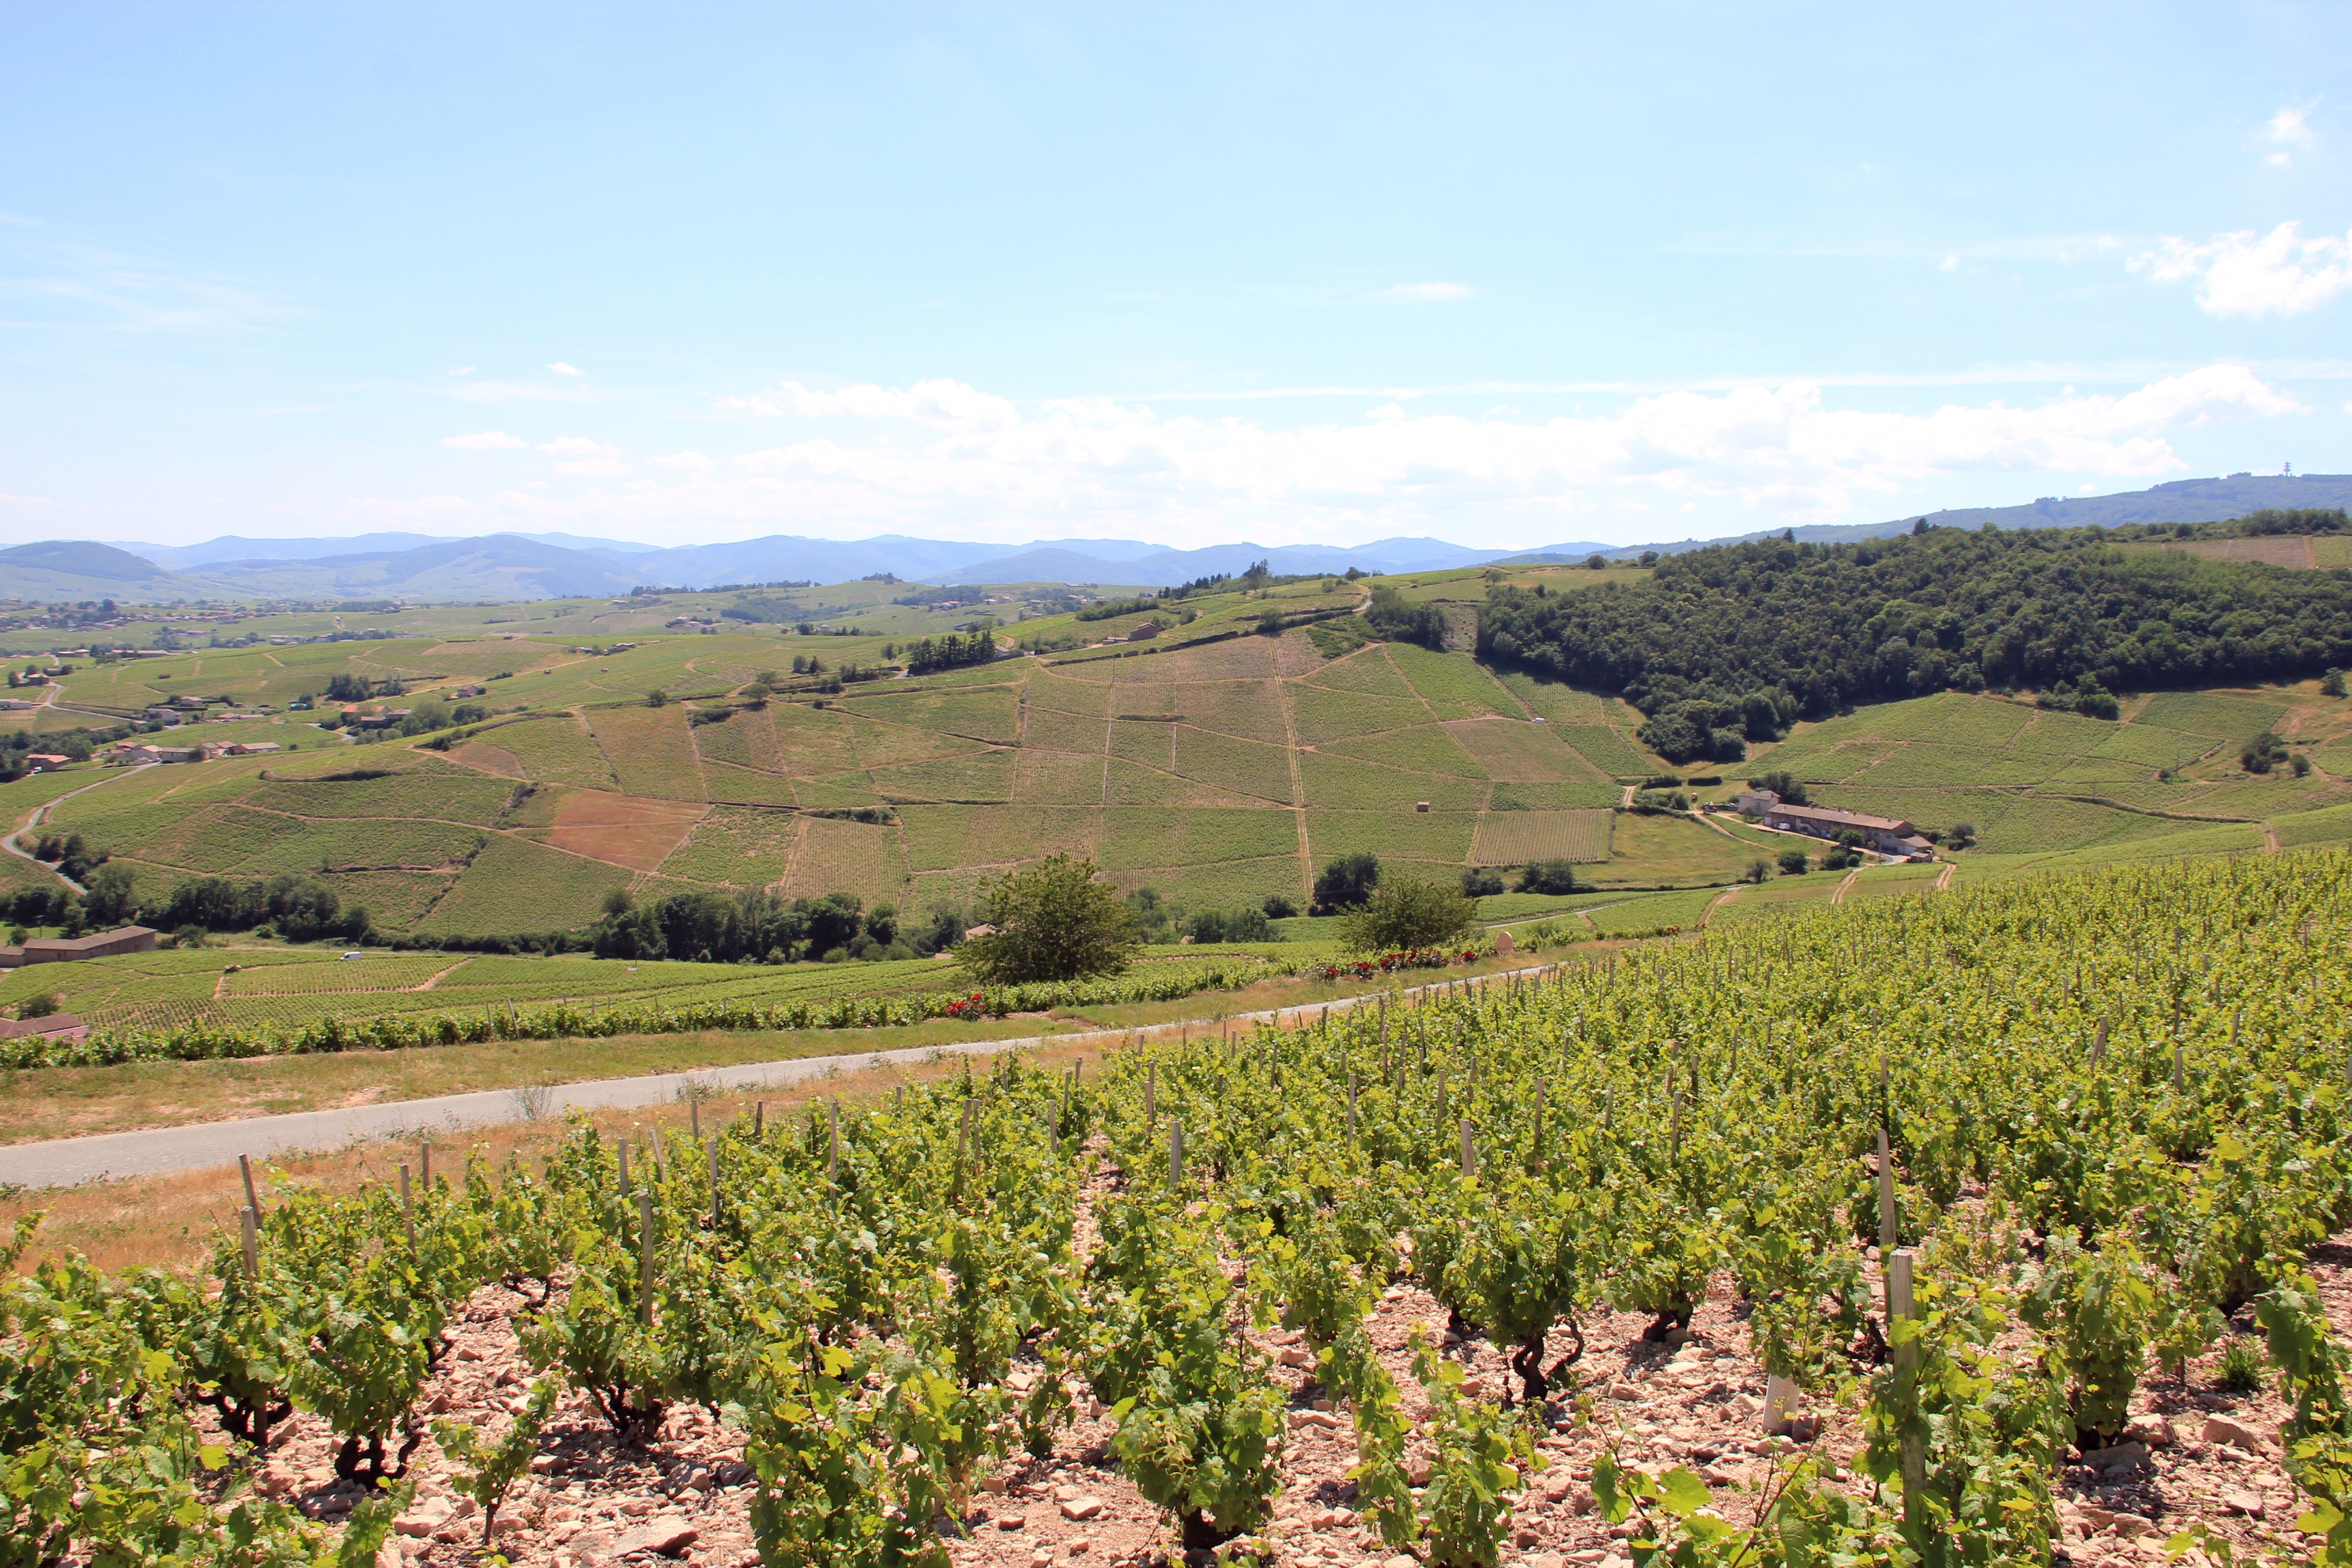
(160, 1151)
(9, 843)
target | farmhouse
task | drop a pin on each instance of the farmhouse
(63, 950)
(1888, 834)
(52, 1027)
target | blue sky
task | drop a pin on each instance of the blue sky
(1507, 275)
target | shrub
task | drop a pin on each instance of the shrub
(1347, 882)
(1054, 922)
(1278, 907)
(1478, 881)
(1553, 878)
(1795, 862)
(1405, 913)
(41, 1006)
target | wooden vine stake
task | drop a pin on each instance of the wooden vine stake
(760, 1116)
(1351, 1105)
(251, 1235)
(244, 1169)
(2099, 1046)
(1469, 1154)
(1885, 1195)
(424, 1160)
(1900, 1306)
(832, 1157)
(1537, 1156)
(1150, 1096)
(1175, 1155)
(624, 1168)
(713, 1148)
(2179, 1071)
(694, 1116)
(645, 1255)
(408, 1212)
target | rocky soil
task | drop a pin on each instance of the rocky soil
(2196, 1452)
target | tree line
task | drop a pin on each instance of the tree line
(1735, 642)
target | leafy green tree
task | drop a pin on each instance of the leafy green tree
(1346, 882)
(41, 1005)
(2332, 683)
(1553, 878)
(1405, 913)
(1478, 881)
(1784, 785)
(1054, 922)
(1795, 863)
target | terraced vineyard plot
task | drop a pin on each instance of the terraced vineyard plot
(1425, 748)
(1152, 743)
(980, 776)
(1511, 749)
(1057, 778)
(650, 751)
(836, 791)
(891, 745)
(1440, 835)
(2151, 747)
(813, 742)
(1671, 850)
(1219, 884)
(837, 857)
(450, 798)
(485, 758)
(742, 786)
(1922, 765)
(1348, 783)
(1234, 765)
(1051, 729)
(990, 715)
(1135, 836)
(1609, 752)
(943, 837)
(1518, 837)
(2063, 735)
(1656, 912)
(1249, 708)
(1887, 881)
(2032, 824)
(514, 885)
(1366, 672)
(1551, 700)
(556, 750)
(737, 846)
(1521, 795)
(623, 830)
(394, 901)
(1047, 688)
(745, 739)
(2329, 824)
(2210, 714)
(366, 844)
(1324, 715)
(377, 972)
(1132, 784)
(1452, 686)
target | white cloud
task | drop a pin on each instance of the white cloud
(942, 404)
(463, 370)
(2291, 128)
(579, 455)
(1414, 293)
(483, 441)
(1950, 264)
(946, 457)
(2245, 274)
(560, 368)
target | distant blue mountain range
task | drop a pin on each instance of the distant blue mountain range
(557, 566)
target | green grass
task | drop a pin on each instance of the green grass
(1671, 850)
(1134, 835)
(2330, 824)
(1654, 912)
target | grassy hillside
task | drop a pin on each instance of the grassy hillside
(1211, 761)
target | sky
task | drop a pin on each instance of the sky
(1507, 275)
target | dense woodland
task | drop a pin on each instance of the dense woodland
(1749, 636)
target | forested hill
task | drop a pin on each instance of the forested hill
(1814, 628)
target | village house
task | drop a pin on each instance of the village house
(65, 949)
(54, 1027)
(1886, 834)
